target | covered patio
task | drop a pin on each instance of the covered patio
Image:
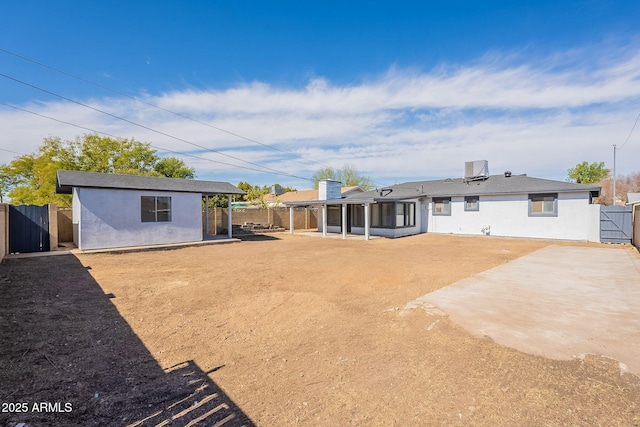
(346, 211)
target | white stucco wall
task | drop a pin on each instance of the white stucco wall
(112, 218)
(75, 216)
(509, 216)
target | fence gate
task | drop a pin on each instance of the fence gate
(28, 228)
(615, 224)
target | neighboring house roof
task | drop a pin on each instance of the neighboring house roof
(304, 195)
(66, 180)
(493, 185)
(633, 198)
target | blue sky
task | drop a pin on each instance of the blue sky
(400, 90)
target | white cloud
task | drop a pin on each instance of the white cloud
(539, 116)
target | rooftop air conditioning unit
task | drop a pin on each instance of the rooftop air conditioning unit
(476, 170)
(276, 190)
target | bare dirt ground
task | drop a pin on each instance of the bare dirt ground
(288, 331)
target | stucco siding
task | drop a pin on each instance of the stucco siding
(75, 217)
(508, 215)
(112, 218)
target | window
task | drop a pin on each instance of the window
(357, 215)
(382, 215)
(155, 209)
(393, 215)
(442, 206)
(471, 203)
(334, 216)
(543, 204)
(405, 214)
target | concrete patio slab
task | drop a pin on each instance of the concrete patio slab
(560, 302)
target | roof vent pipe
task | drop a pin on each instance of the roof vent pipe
(507, 174)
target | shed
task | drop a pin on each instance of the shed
(116, 210)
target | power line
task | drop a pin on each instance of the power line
(149, 128)
(157, 106)
(117, 137)
(629, 136)
(9, 151)
(57, 70)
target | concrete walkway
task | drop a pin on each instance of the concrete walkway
(560, 302)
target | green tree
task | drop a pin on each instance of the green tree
(585, 173)
(348, 176)
(220, 201)
(172, 167)
(325, 173)
(255, 193)
(31, 178)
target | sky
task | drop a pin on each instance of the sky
(271, 91)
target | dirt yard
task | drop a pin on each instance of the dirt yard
(291, 330)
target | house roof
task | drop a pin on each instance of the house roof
(66, 180)
(493, 185)
(633, 198)
(305, 195)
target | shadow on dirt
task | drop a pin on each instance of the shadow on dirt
(69, 358)
(256, 237)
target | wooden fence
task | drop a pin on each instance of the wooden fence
(4, 230)
(304, 218)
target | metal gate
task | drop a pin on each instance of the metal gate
(28, 228)
(615, 224)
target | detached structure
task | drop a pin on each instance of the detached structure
(479, 203)
(113, 210)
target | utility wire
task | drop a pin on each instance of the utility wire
(149, 128)
(57, 70)
(115, 136)
(629, 136)
(9, 151)
(157, 106)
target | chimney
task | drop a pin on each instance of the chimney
(329, 189)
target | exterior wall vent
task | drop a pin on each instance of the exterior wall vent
(329, 189)
(476, 170)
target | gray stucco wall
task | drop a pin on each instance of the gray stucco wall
(111, 219)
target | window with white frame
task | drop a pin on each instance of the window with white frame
(441, 206)
(155, 208)
(471, 203)
(543, 204)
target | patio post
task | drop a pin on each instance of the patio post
(229, 217)
(206, 210)
(291, 219)
(344, 220)
(324, 220)
(367, 221)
